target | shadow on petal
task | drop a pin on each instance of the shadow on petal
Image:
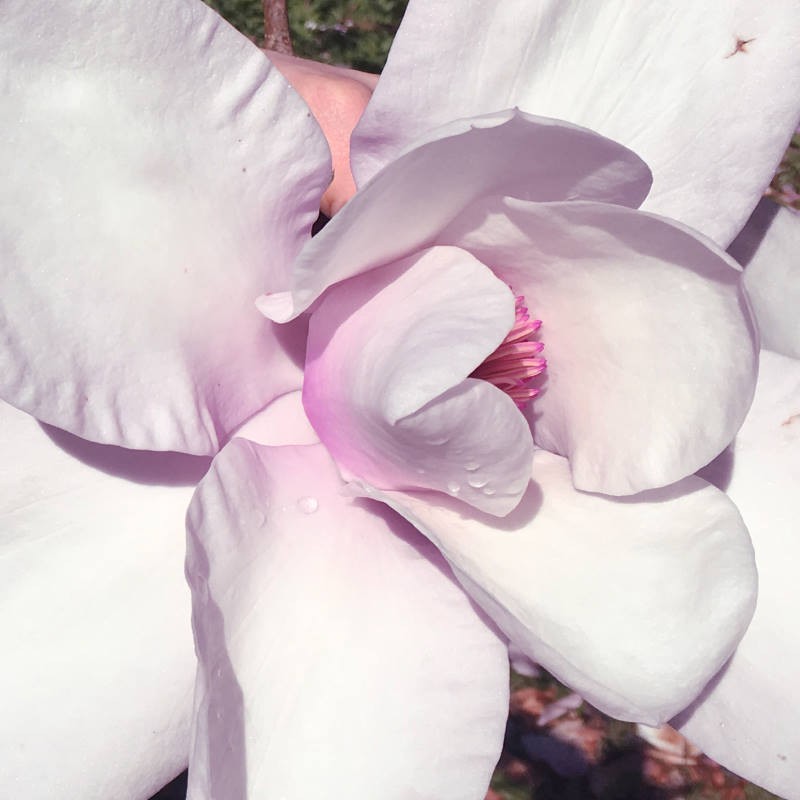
(140, 466)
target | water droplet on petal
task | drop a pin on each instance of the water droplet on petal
(477, 483)
(453, 487)
(308, 505)
(487, 490)
(439, 440)
(471, 466)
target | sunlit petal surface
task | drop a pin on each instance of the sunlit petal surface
(747, 718)
(634, 603)
(769, 249)
(98, 664)
(146, 202)
(338, 657)
(706, 93)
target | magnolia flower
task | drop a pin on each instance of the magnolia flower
(173, 178)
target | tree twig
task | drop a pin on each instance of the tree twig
(276, 27)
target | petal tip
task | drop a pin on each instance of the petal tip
(277, 307)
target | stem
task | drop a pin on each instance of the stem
(276, 27)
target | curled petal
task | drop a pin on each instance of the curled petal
(386, 384)
(338, 657)
(651, 351)
(98, 664)
(403, 208)
(747, 716)
(688, 86)
(634, 603)
(157, 175)
(768, 248)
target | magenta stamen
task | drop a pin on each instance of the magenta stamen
(516, 361)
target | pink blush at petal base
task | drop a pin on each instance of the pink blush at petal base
(516, 362)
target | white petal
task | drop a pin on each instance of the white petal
(338, 658)
(769, 249)
(98, 665)
(507, 153)
(387, 386)
(661, 78)
(747, 719)
(633, 603)
(651, 351)
(158, 175)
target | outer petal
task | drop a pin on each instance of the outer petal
(747, 717)
(386, 384)
(97, 667)
(710, 116)
(769, 249)
(633, 603)
(403, 209)
(337, 656)
(157, 175)
(651, 351)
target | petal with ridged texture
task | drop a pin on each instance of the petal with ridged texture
(98, 665)
(747, 717)
(685, 85)
(387, 387)
(158, 174)
(768, 247)
(634, 603)
(650, 348)
(338, 657)
(402, 210)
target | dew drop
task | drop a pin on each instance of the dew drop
(453, 487)
(439, 441)
(471, 466)
(308, 505)
(487, 490)
(477, 483)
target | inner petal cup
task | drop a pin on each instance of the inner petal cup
(157, 175)
(407, 204)
(387, 388)
(651, 350)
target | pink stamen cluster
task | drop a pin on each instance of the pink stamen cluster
(516, 361)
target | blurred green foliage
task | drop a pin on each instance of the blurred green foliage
(356, 33)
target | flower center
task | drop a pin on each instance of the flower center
(516, 361)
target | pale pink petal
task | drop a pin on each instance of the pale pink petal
(403, 208)
(387, 386)
(664, 79)
(634, 603)
(769, 249)
(338, 658)
(283, 421)
(747, 719)
(157, 175)
(651, 352)
(98, 665)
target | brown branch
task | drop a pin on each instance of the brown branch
(276, 27)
